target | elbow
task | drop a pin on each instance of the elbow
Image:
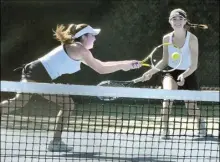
(101, 70)
(193, 67)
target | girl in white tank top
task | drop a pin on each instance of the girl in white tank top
(184, 77)
(76, 42)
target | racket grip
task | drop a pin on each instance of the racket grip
(138, 79)
(146, 65)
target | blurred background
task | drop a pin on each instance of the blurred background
(130, 30)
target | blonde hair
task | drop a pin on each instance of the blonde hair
(64, 34)
(188, 25)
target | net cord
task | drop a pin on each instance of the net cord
(88, 90)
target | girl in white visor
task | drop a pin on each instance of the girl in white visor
(76, 42)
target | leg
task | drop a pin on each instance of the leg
(165, 112)
(63, 116)
(19, 101)
(169, 84)
(194, 111)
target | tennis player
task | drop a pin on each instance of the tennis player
(76, 42)
(184, 77)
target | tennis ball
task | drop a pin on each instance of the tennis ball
(175, 56)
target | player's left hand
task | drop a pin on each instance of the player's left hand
(180, 80)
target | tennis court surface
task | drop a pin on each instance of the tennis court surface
(128, 129)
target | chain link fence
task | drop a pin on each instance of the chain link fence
(130, 29)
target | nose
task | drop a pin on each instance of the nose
(177, 22)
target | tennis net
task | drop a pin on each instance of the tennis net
(133, 127)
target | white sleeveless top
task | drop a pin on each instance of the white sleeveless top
(185, 51)
(57, 63)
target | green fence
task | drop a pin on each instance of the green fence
(130, 29)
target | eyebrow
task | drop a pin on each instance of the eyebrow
(177, 16)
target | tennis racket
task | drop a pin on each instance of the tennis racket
(157, 54)
(115, 83)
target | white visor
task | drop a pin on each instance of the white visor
(86, 30)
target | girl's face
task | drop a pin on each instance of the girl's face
(177, 22)
(88, 41)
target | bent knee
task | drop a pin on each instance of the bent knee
(169, 83)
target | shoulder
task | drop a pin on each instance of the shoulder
(192, 37)
(166, 37)
(77, 47)
(78, 51)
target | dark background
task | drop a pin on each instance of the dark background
(130, 29)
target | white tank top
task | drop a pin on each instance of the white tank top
(185, 51)
(57, 63)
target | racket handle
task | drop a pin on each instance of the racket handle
(138, 79)
(146, 65)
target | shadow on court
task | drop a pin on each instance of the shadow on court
(99, 157)
(133, 148)
(207, 138)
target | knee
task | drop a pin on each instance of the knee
(169, 83)
(5, 102)
(20, 97)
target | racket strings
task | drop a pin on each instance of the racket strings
(157, 55)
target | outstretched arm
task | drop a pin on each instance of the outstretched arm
(108, 67)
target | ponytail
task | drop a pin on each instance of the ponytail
(65, 34)
(201, 26)
(62, 35)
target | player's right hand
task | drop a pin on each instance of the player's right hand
(146, 76)
(129, 65)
